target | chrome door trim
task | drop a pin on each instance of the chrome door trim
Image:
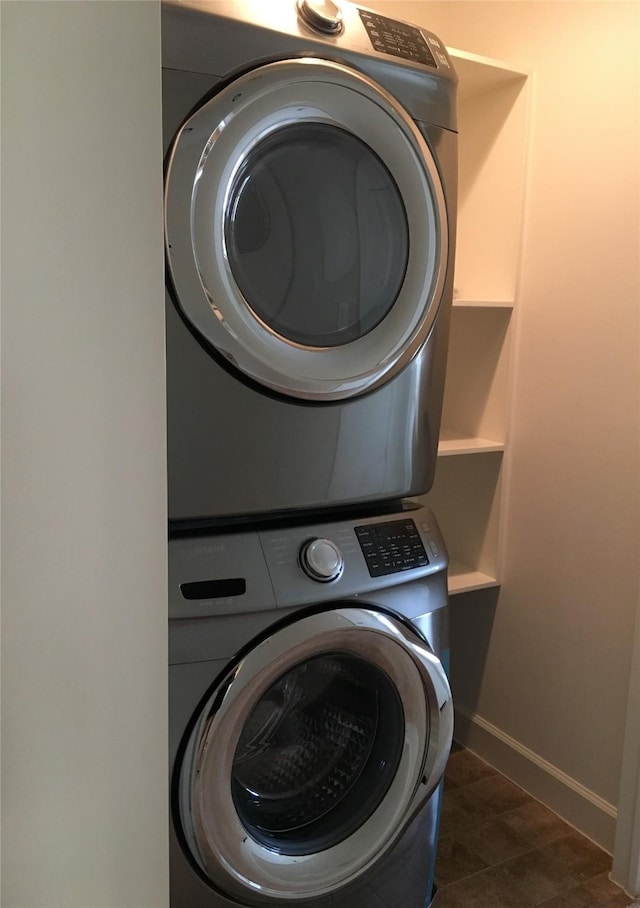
(207, 153)
(244, 868)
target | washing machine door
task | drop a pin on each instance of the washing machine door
(309, 758)
(306, 229)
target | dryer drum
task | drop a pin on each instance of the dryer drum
(318, 753)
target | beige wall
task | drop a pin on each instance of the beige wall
(84, 662)
(549, 667)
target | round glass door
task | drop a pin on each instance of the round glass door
(306, 229)
(312, 754)
(317, 754)
(316, 235)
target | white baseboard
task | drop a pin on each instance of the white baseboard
(581, 808)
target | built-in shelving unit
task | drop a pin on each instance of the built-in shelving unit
(466, 496)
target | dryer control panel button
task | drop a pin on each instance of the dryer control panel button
(391, 546)
(321, 560)
(321, 15)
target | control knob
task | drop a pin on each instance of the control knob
(321, 560)
(321, 15)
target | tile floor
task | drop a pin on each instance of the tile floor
(499, 848)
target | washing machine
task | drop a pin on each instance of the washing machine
(310, 211)
(310, 712)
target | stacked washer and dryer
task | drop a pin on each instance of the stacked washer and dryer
(310, 199)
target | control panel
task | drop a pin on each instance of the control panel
(391, 547)
(397, 38)
(271, 567)
(386, 36)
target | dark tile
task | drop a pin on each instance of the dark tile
(605, 894)
(494, 841)
(462, 807)
(464, 768)
(489, 797)
(537, 875)
(599, 892)
(454, 862)
(443, 899)
(536, 824)
(560, 901)
(453, 819)
(580, 856)
(534, 857)
(488, 889)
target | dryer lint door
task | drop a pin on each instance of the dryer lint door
(306, 229)
(309, 759)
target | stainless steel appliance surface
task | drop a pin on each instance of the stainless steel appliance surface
(310, 713)
(310, 213)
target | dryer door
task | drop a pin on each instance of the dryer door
(309, 758)
(306, 229)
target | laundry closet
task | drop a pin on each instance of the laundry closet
(84, 667)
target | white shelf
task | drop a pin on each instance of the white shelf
(483, 304)
(492, 114)
(452, 444)
(463, 579)
(467, 492)
(480, 75)
(466, 501)
(474, 413)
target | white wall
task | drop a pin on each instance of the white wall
(84, 659)
(549, 670)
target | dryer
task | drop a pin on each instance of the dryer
(310, 713)
(310, 211)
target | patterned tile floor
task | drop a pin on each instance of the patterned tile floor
(499, 848)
